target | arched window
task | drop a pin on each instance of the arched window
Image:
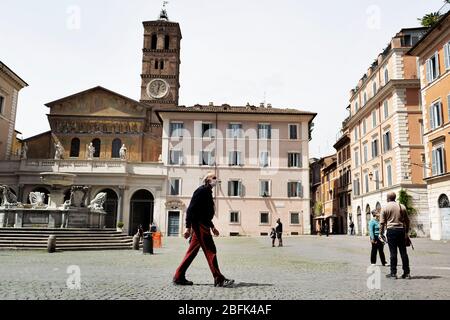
(443, 201)
(166, 42)
(115, 151)
(161, 64)
(156, 64)
(97, 145)
(154, 42)
(75, 148)
(378, 207)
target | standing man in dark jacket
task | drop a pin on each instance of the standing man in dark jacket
(199, 224)
(394, 218)
(279, 231)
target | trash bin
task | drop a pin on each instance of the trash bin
(148, 243)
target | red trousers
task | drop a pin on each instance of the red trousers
(201, 238)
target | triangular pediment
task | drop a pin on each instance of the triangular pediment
(98, 102)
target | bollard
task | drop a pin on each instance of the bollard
(136, 242)
(51, 244)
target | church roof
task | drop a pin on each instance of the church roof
(49, 104)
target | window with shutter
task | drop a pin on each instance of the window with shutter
(429, 68)
(436, 66)
(431, 115)
(434, 163)
(447, 55)
(448, 104)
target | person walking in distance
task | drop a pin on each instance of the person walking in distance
(394, 218)
(377, 244)
(199, 225)
(279, 231)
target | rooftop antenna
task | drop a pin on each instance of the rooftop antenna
(163, 15)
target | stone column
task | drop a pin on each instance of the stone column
(120, 203)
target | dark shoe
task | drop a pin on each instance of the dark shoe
(182, 282)
(224, 283)
(384, 264)
(391, 276)
(406, 276)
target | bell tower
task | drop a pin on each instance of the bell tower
(160, 78)
(161, 62)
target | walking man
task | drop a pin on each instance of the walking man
(394, 218)
(199, 225)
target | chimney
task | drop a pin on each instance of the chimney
(211, 104)
(269, 106)
(261, 105)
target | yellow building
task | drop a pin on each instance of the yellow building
(10, 85)
(385, 130)
(433, 52)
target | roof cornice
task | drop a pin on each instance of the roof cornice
(12, 75)
(382, 94)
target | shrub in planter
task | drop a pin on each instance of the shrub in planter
(413, 234)
(120, 224)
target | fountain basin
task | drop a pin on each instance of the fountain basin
(58, 179)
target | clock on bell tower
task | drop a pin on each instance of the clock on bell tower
(161, 62)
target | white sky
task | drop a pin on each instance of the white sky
(303, 54)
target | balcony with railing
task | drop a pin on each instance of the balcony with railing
(83, 166)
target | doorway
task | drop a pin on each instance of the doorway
(110, 206)
(141, 211)
(174, 224)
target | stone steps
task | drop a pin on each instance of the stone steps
(66, 239)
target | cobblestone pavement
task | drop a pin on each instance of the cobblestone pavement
(307, 267)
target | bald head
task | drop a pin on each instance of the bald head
(391, 196)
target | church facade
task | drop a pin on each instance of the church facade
(120, 146)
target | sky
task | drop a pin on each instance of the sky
(304, 55)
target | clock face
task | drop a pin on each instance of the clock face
(157, 89)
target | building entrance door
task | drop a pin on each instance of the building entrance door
(141, 211)
(174, 224)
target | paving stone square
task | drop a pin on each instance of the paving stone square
(307, 267)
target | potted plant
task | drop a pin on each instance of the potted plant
(120, 225)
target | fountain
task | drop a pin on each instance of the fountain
(73, 213)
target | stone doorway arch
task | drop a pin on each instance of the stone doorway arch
(141, 211)
(110, 206)
(444, 212)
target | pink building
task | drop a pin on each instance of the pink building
(260, 156)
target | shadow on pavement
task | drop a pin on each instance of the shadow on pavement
(246, 284)
(237, 285)
(425, 277)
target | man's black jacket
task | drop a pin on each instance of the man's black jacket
(201, 208)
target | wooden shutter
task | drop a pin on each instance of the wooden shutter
(431, 114)
(429, 67)
(448, 99)
(434, 162)
(436, 57)
(447, 55)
